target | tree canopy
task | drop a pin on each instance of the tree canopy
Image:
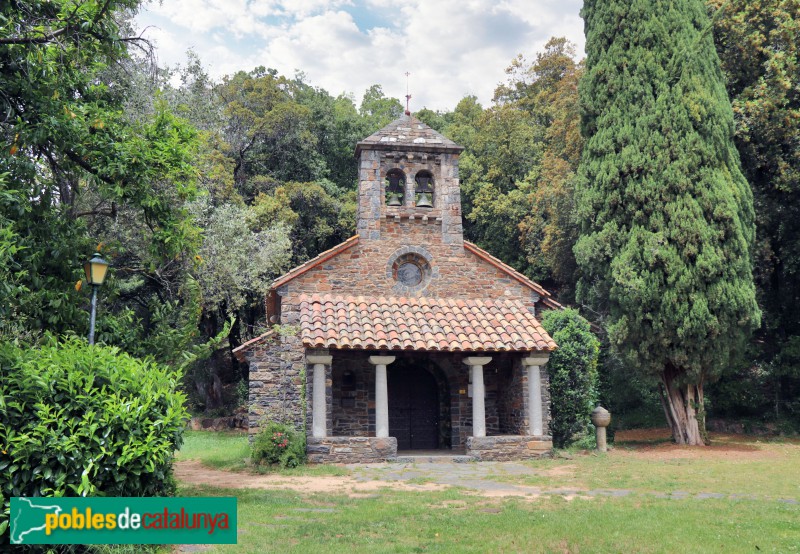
(665, 246)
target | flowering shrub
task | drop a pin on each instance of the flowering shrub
(279, 444)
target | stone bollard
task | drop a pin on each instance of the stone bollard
(601, 418)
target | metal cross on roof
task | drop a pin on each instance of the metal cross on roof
(408, 96)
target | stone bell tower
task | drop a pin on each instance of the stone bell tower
(409, 172)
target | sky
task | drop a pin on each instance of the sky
(451, 48)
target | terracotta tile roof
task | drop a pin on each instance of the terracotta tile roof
(536, 287)
(443, 324)
(313, 262)
(240, 350)
(409, 133)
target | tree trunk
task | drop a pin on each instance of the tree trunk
(684, 407)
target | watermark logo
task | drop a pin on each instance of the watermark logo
(201, 520)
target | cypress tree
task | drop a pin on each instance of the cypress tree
(667, 221)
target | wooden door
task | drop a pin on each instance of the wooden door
(413, 408)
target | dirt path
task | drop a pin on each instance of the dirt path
(368, 480)
(492, 479)
(194, 473)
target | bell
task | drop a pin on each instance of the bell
(394, 200)
(424, 200)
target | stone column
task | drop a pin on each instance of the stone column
(535, 419)
(381, 395)
(319, 420)
(478, 394)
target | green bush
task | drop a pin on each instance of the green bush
(279, 444)
(573, 375)
(80, 420)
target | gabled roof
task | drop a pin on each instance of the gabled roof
(429, 324)
(408, 133)
(314, 262)
(545, 296)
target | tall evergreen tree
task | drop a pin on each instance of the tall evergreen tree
(665, 247)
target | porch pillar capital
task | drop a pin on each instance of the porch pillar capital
(319, 359)
(381, 360)
(477, 360)
(540, 358)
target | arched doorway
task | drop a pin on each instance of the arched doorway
(413, 408)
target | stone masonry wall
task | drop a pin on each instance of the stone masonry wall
(353, 395)
(505, 448)
(276, 380)
(362, 270)
(351, 450)
(278, 373)
(373, 167)
(511, 403)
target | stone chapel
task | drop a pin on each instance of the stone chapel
(405, 339)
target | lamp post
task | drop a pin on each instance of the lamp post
(95, 269)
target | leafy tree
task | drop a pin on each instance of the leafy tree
(665, 246)
(519, 165)
(236, 264)
(377, 110)
(464, 123)
(437, 120)
(74, 158)
(315, 216)
(505, 151)
(758, 46)
(573, 374)
(548, 231)
(267, 132)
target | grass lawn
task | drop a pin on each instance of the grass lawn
(460, 520)
(743, 465)
(216, 449)
(230, 451)
(452, 521)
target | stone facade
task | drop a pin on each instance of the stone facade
(281, 384)
(351, 450)
(277, 379)
(508, 447)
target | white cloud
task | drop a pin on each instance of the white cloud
(304, 8)
(451, 47)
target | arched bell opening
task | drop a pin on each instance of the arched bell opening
(395, 187)
(424, 189)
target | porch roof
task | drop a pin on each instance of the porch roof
(438, 324)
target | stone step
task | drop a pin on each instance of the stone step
(434, 459)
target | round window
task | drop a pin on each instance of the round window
(409, 273)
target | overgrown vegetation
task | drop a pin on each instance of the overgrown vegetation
(80, 420)
(279, 444)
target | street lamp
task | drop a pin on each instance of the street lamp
(95, 269)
